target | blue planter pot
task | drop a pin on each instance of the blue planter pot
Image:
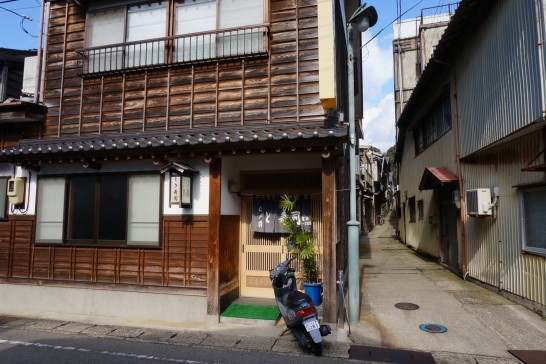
(313, 290)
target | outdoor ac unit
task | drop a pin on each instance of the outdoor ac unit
(478, 202)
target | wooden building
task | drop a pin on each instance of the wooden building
(164, 120)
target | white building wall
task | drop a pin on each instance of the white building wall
(422, 235)
(104, 306)
(233, 166)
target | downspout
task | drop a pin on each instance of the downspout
(540, 10)
(462, 209)
(400, 75)
(63, 67)
(3, 79)
(37, 86)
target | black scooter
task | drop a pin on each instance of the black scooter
(297, 309)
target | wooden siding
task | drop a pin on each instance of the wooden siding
(280, 88)
(181, 262)
(229, 248)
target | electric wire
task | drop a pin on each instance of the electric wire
(389, 24)
(23, 18)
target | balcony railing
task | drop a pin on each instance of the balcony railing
(205, 47)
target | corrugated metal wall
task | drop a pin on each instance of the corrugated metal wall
(498, 76)
(494, 247)
(421, 234)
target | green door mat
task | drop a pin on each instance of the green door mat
(251, 312)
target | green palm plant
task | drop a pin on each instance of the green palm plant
(302, 241)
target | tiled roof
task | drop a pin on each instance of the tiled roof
(197, 140)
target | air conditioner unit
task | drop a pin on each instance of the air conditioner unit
(478, 202)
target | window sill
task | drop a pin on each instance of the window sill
(58, 245)
(535, 251)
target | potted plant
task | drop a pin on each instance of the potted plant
(302, 246)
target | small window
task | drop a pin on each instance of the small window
(420, 209)
(434, 125)
(533, 211)
(412, 209)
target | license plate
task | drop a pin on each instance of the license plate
(311, 325)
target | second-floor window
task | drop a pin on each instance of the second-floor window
(434, 125)
(155, 33)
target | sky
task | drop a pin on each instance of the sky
(377, 56)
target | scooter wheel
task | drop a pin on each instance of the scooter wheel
(316, 349)
(300, 337)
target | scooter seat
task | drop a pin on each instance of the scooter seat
(296, 298)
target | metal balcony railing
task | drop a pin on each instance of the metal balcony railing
(204, 47)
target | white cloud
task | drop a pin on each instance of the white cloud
(377, 67)
(379, 120)
(379, 124)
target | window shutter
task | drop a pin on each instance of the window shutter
(49, 212)
(143, 212)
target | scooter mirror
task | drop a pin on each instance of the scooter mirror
(290, 245)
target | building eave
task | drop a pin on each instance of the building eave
(205, 141)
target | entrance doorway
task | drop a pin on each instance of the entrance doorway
(448, 226)
(260, 252)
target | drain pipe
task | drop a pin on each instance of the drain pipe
(540, 10)
(37, 86)
(462, 209)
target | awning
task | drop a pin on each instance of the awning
(436, 177)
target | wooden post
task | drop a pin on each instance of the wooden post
(329, 239)
(213, 240)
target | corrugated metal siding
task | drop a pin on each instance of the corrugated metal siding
(498, 76)
(422, 235)
(494, 247)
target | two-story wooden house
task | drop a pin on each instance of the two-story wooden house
(165, 121)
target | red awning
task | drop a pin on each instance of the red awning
(436, 177)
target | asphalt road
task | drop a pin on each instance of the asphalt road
(21, 346)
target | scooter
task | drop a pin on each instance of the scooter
(297, 309)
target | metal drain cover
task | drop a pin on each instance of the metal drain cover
(406, 306)
(433, 328)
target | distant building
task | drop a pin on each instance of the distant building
(12, 65)
(375, 186)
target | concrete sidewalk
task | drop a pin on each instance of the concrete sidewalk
(481, 325)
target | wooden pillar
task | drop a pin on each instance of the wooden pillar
(213, 240)
(329, 312)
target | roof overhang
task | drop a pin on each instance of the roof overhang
(436, 177)
(168, 144)
(16, 111)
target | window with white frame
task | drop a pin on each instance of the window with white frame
(533, 215)
(102, 210)
(197, 30)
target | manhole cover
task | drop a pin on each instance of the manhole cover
(434, 328)
(406, 306)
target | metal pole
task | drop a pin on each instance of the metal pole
(353, 224)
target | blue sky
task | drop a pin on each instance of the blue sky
(379, 127)
(377, 57)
